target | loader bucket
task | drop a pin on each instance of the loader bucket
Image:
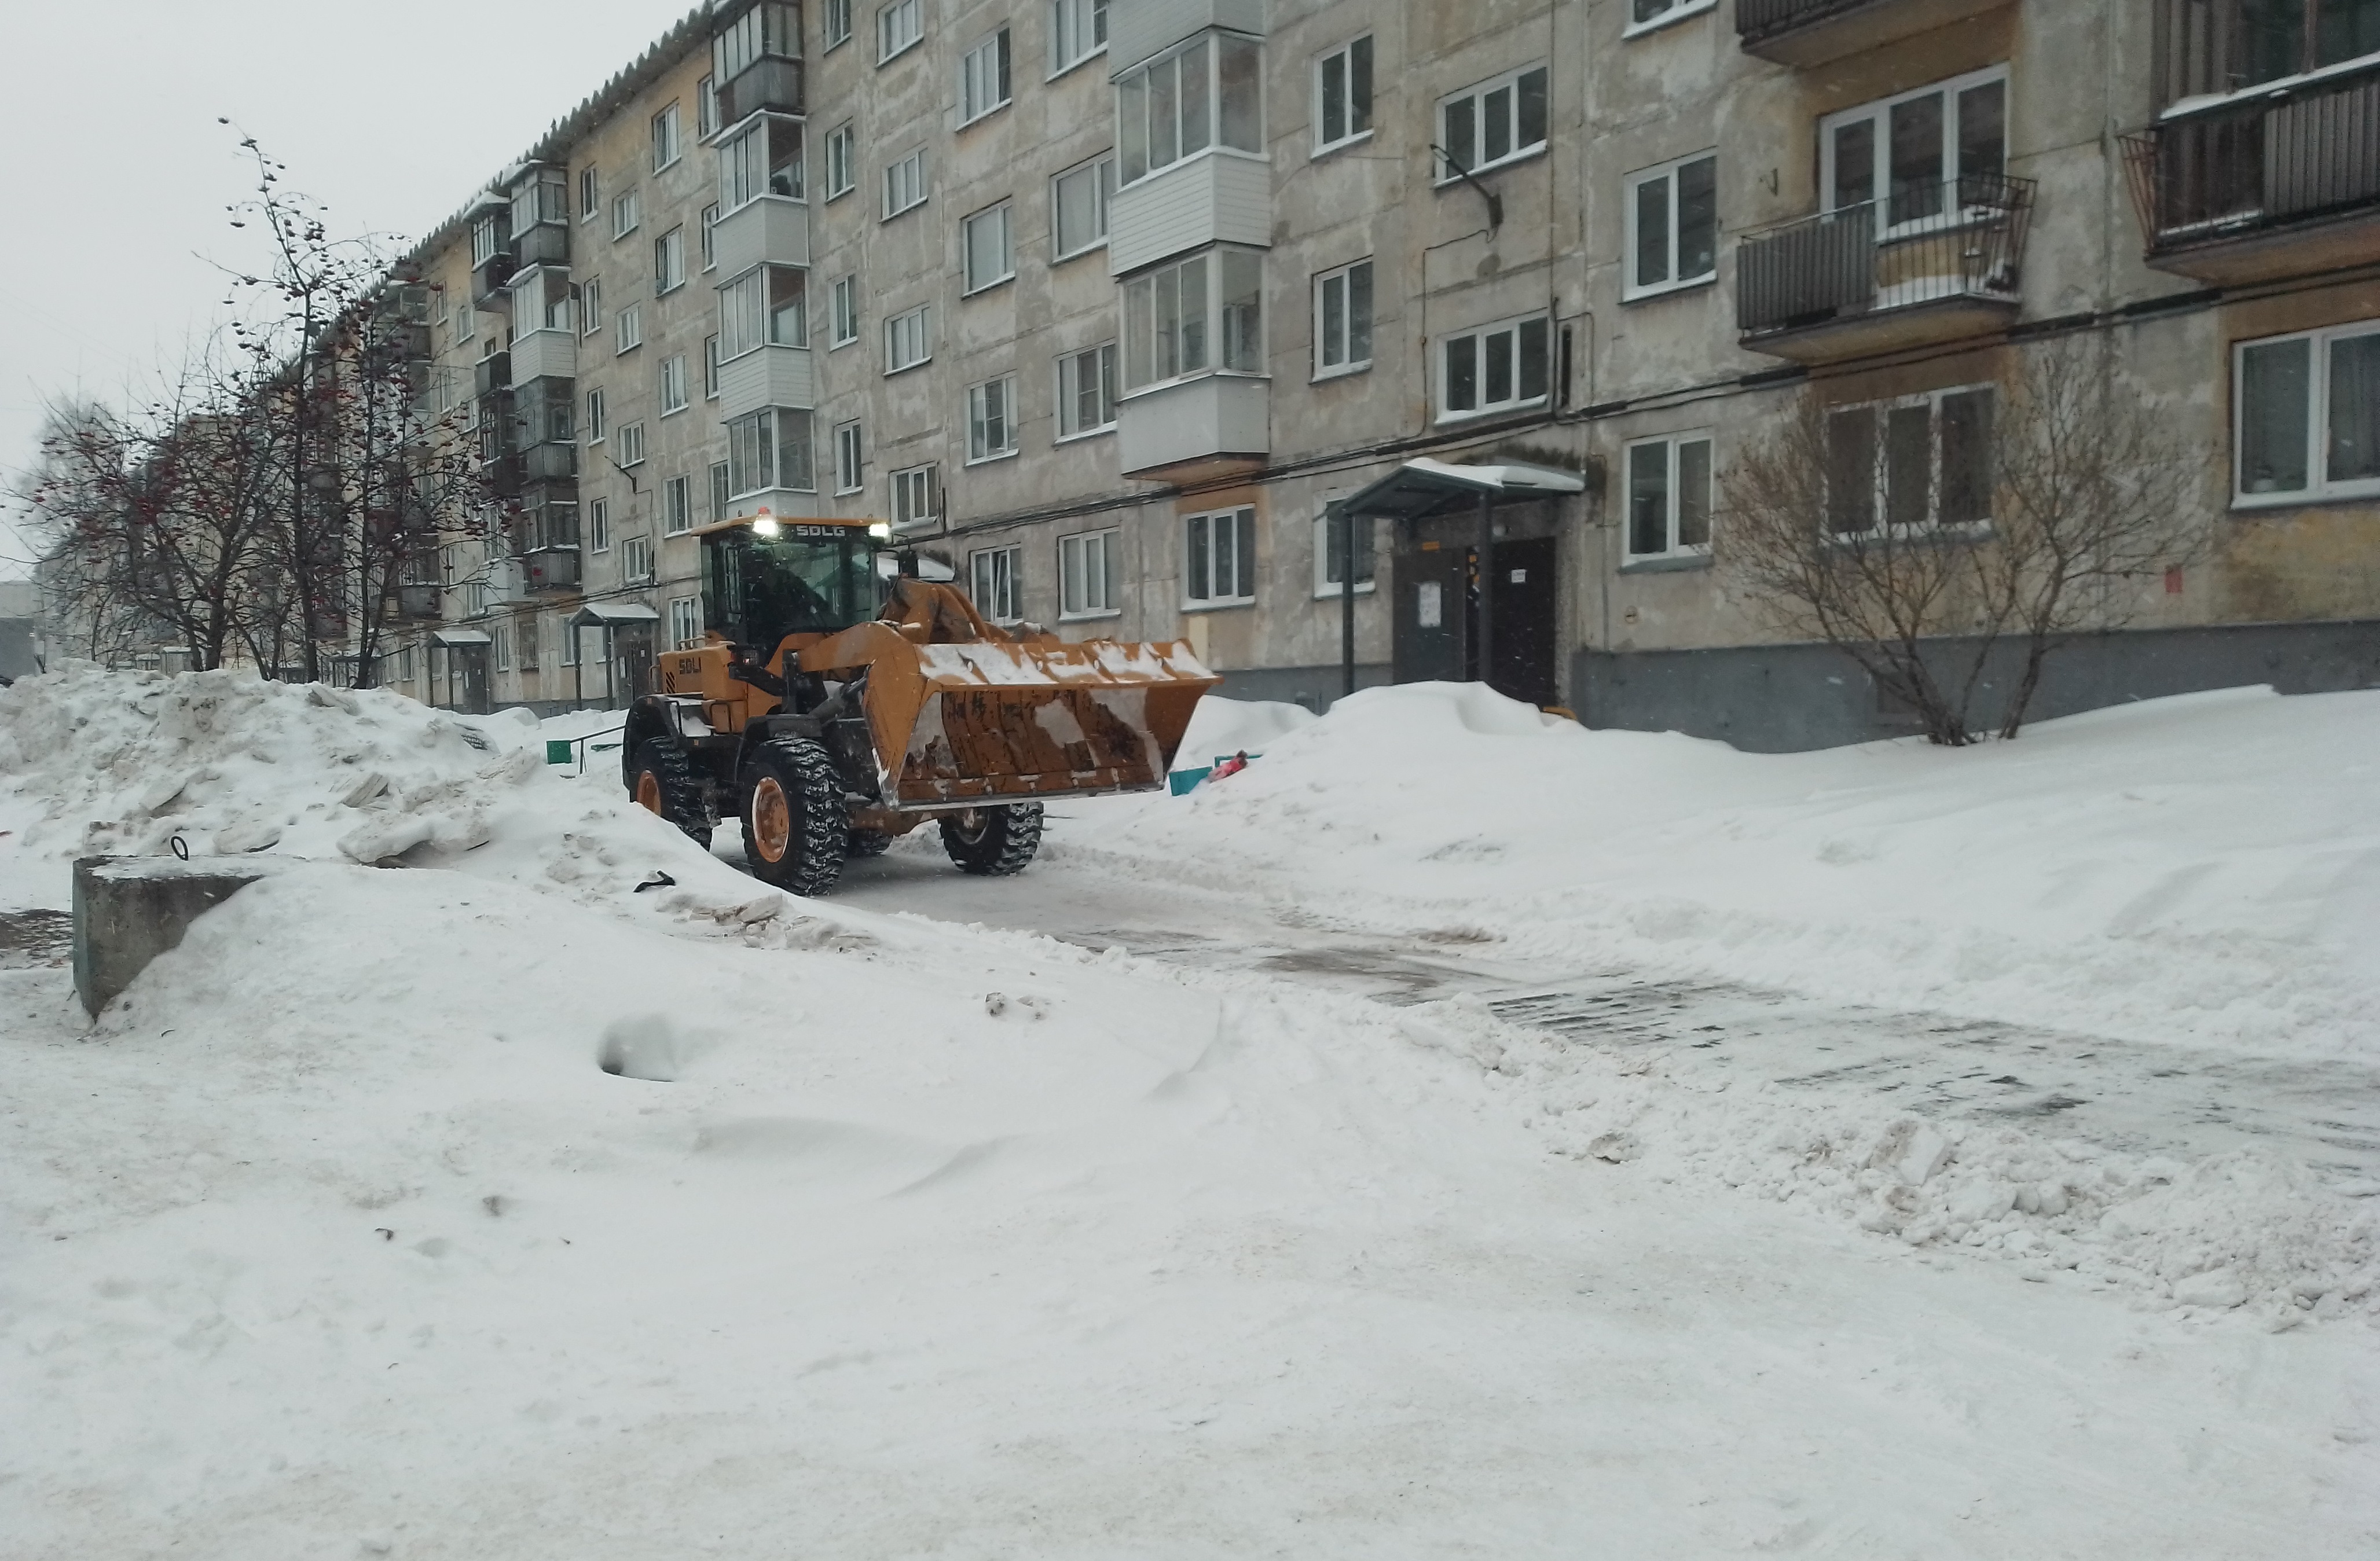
(1047, 719)
(1042, 720)
(1030, 717)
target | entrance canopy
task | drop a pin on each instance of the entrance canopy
(1423, 487)
(451, 637)
(604, 615)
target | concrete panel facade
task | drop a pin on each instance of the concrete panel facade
(1627, 363)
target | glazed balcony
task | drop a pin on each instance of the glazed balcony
(548, 353)
(767, 230)
(1211, 424)
(1928, 263)
(2275, 182)
(771, 375)
(1802, 33)
(756, 59)
(544, 536)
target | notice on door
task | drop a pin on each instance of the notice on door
(1430, 605)
(1519, 576)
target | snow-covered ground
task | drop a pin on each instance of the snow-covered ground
(499, 1207)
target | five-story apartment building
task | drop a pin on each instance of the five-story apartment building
(1112, 305)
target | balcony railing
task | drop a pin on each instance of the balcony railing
(1959, 241)
(501, 473)
(1808, 32)
(488, 279)
(417, 600)
(2251, 170)
(771, 81)
(550, 463)
(551, 569)
(546, 244)
(492, 373)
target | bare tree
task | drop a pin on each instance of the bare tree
(274, 500)
(152, 520)
(2094, 498)
(1919, 538)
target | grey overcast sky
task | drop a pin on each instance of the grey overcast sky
(392, 113)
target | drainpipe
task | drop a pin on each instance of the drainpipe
(1486, 549)
(1346, 524)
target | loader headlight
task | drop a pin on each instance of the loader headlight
(766, 526)
(881, 531)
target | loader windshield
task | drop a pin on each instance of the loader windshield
(806, 579)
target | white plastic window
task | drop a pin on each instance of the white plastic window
(1672, 225)
(1343, 95)
(1670, 496)
(1091, 574)
(1495, 369)
(1218, 564)
(1495, 122)
(2306, 412)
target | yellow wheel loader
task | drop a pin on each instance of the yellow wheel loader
(837, 705)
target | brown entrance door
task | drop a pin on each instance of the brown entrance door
(632, 660)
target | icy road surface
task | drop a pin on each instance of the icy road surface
(2168, 1099)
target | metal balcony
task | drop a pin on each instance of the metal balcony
(550, 569)
(1806, 33)
(771, 81)
(546, 517)
(492, 373)
(1927, 263)
(546, 244)
(2264, 185)
(488, 279)
(550, 463)
(418, 600)
(500, 475)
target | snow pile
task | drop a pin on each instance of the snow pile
(2200, 876)
(122, 764)
(1220, 726)
(101, 763)
(2205, 867)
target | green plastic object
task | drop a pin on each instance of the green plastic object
(557, 750)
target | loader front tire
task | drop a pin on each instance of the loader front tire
(661, 780)
(993, 842)
(796, 828)
(869, 842)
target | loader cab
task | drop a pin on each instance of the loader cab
(764, 580)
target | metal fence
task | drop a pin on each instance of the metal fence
(1921, 244)
(2302, 151)
(1757, 18)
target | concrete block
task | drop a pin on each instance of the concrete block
(128, 909)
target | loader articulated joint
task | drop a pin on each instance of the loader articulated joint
(743, 669)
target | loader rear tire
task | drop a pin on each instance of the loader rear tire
(661, 780)
(993, 842)
(795, 826)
